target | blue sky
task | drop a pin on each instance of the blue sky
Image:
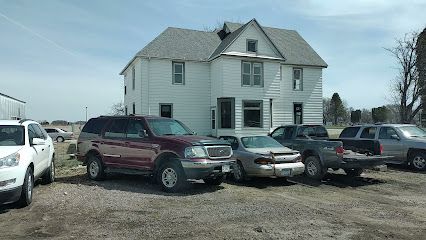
(61, 56)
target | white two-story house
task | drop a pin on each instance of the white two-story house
(243, 78)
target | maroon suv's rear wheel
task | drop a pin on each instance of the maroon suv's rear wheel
(95, 168)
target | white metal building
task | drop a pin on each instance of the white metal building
(11, 108)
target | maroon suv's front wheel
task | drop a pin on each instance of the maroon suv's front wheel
(171, 176)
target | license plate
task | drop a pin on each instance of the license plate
(226, 168)
(286, 172)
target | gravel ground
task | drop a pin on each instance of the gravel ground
(377, 205)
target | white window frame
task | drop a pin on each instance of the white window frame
(175, 73)
(252, 74)
(300, 85)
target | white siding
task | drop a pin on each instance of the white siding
(231, 87)
(11, 108)
(253, 32)
(191, 101)
(133, 95)
(310, 97)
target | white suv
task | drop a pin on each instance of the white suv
(26, 154)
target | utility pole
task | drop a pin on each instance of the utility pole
(86, 114)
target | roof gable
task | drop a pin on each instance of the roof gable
(235, 36)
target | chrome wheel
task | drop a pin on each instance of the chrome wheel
(169, 177)
(30, 187)
(94, 169)
(312, 169)
(419, 162)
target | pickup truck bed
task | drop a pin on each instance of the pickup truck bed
(320, 153)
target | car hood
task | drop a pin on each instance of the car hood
(266, 151)
(8, 150)
(196, 140)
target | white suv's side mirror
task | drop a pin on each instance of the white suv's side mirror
(38, 141)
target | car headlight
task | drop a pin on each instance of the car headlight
(10, 161)
(195, 152)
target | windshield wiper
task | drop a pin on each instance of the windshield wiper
(188, 134)
(169, 134)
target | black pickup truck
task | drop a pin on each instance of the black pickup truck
(320, 153)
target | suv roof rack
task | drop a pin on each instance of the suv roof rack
(24, 120)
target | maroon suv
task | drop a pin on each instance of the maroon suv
(161, 147)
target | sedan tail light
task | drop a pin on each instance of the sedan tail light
(381, 149)
(340, 151)
(263, 161)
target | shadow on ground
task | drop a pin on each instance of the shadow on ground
(403, 168)
(337, 180)
(137, 184)
(262, 183)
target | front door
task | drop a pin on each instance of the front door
(38, 150)
(391, 143)
(139, 150)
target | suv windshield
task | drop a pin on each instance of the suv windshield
(163, 126)
(260, 142)
(12, 135)
(412, 131)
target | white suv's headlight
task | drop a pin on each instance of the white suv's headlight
(195, 152)
(10, 161)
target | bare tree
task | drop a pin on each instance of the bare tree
(117, 109)
(406, 88)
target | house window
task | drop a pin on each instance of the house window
(252, 74)
(297, 79)
(251, 45)
(298, 113)
(253, 114)
(213, 118)
(125, 110)
(178, 73)
(166, 110)
(125, 90)
(227, 112)
(134, 108)
(133, 78)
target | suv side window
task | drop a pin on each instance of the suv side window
(232, 140)
(349, 132)
(37, 131)
(135, 128)
(116, 129)
(369, 132)
(43, 132)
(278, 133)
(94, 125)
(387, 132)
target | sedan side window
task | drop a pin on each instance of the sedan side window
(387, 133)
(289, 131)
(369, 132)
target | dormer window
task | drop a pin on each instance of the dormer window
(251, 45)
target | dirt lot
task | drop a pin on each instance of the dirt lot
(378, 205)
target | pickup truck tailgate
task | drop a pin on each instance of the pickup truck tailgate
(357, 160)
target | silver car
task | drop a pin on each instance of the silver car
(405, 142)
(58, 134)
(263, 156)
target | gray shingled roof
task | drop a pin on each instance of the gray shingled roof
(291, 45)
(187, 44)
(177, 43)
